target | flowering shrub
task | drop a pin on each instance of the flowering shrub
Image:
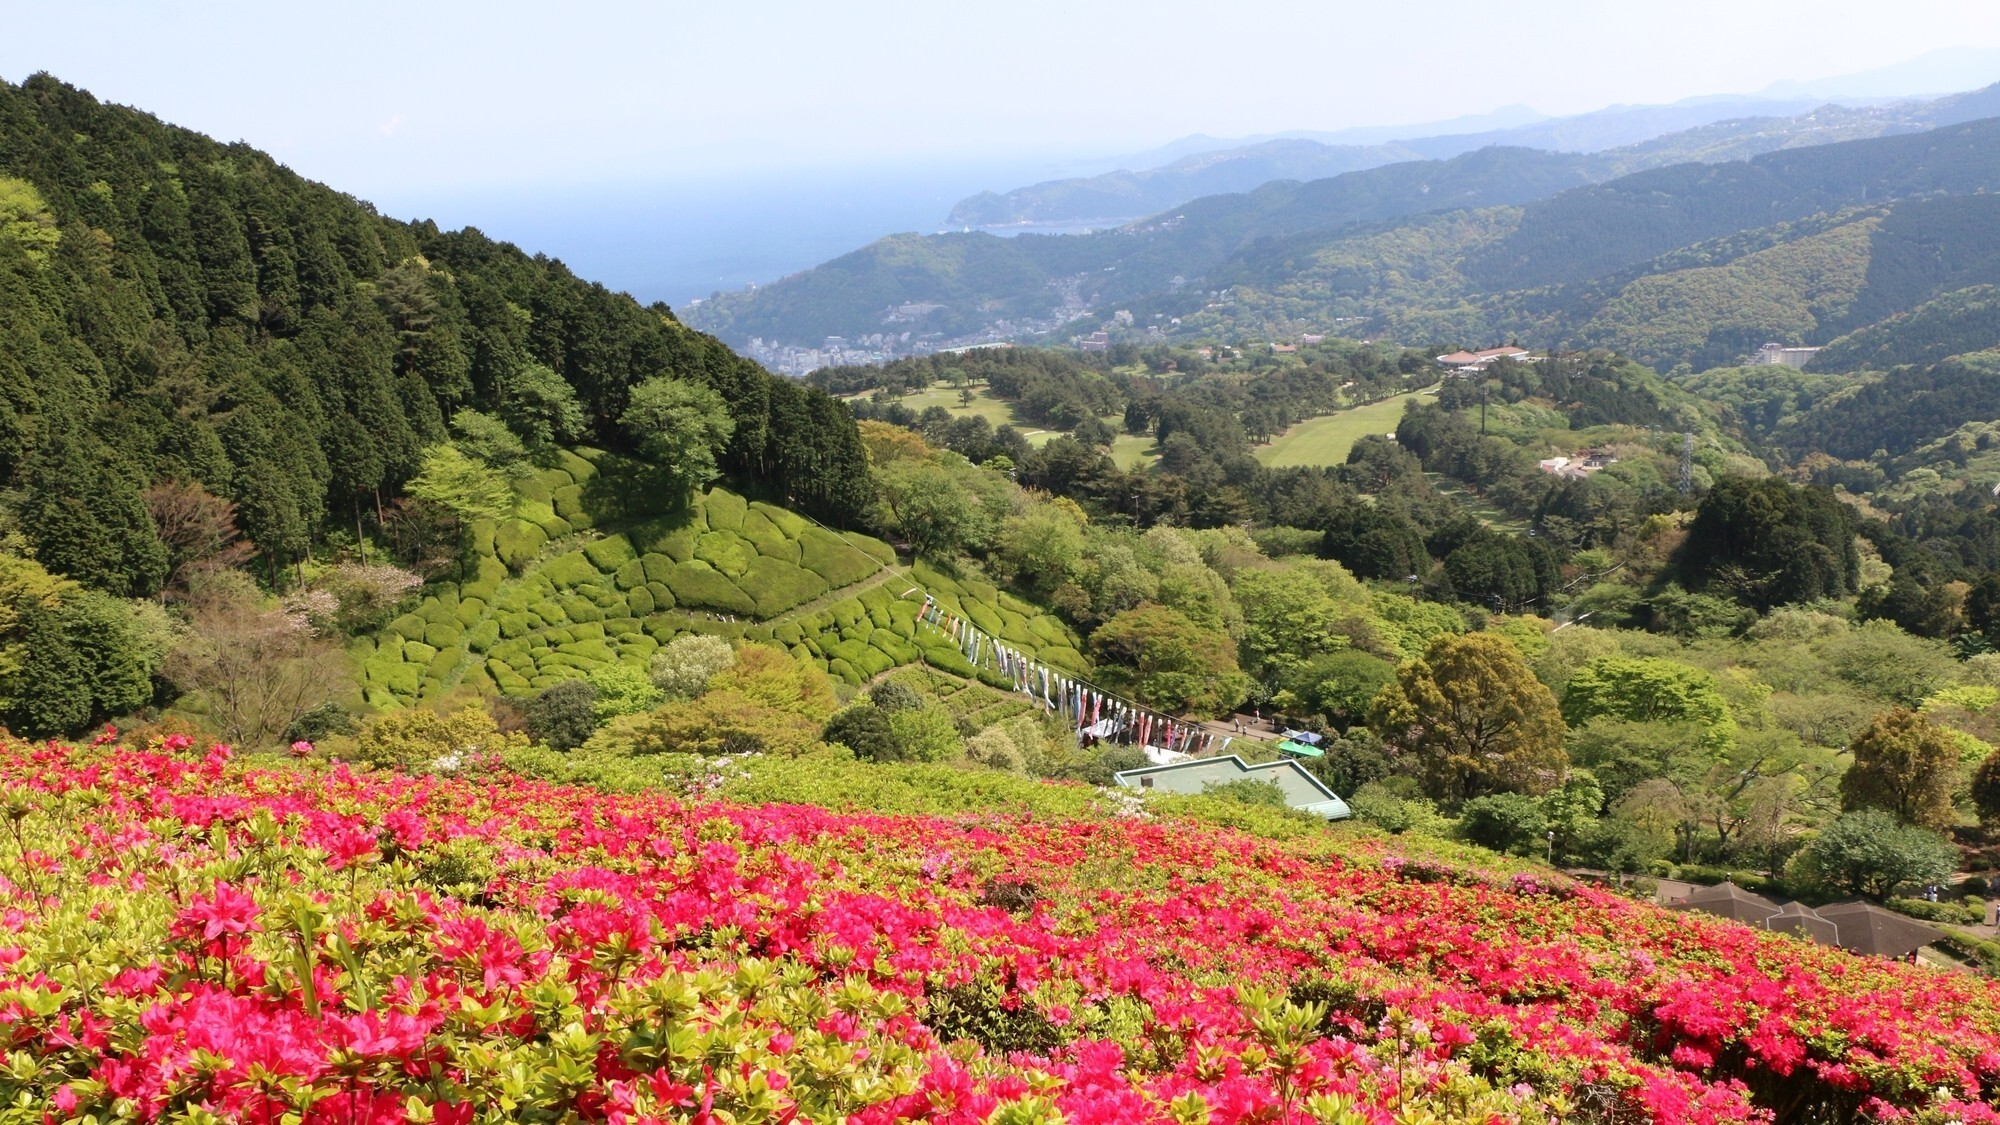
(186, 938)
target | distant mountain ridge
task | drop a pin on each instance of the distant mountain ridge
(1119, 196)
(1692, 262)
(1709, 130)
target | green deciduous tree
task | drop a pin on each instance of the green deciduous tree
(1043, 546)
(1505, 822)
(1648, 690)
(623, 689)
(540, 406)
(1290, 613)
(929, 508)
(469, 489)
(680, 426)
(1905, 765)
(1164, 660)
(1475, 719)
(926, 733)
(1869, 852)
(1571, 811)
(488, 439)
(1339, 685)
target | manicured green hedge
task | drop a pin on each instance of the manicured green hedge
(538, 608)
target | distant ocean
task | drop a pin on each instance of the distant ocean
(677, 241)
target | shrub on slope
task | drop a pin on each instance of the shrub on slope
(187, 938)
(588, 571)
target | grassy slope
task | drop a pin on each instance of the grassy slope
(1132, 451)
(586, 575)
(1325, 440)
(1127, 451)
(997, 412)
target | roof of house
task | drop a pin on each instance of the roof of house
(1867, 928)
(1302, 790)
(1858, 927)
(1456, 358)
(1799, 920)
(1728, 900)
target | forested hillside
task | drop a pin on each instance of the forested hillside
(1695, 263)
(1594, 230)
(177, 309)
(208, 363)
(1960, 321)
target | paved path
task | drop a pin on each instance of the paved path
(852, 589)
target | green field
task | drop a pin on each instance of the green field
(1134, 451)
(984, 405)
(1325, 440)
(1129, 453)
(1480, 508)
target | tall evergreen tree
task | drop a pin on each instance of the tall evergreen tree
(88, 520)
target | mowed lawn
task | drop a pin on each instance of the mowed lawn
(984, 405)
(1325, 440)
(1128, 452)
(1133, 451)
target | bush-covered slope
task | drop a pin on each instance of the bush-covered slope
(588, 573)
(192, 939)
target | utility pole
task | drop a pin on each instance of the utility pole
(1482, 410)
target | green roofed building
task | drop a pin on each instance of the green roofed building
(1302, 790)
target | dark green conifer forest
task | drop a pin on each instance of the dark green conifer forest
(178, 310)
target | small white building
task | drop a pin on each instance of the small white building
(1775, 354)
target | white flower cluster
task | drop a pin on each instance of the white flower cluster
(714, 774)
(1123, 804)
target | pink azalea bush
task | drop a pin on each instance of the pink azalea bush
(184, 937)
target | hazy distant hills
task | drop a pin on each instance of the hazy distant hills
(1708, 129)
(1687, 262)
(1121, 196)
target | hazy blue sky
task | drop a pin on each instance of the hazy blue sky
(383, 97)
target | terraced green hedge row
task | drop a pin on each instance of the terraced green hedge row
(975, 703)
(589, 572)
(862, 637)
